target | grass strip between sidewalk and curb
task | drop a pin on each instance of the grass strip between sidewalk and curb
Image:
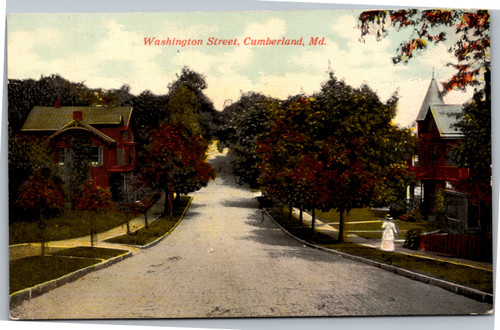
(157, 230)
(473, 282)
(35, 275)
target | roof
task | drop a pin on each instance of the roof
(53, 119)
(79, 125)
(446, 116)
(433, 96)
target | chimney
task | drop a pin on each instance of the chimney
(78, 115)
(58, 104)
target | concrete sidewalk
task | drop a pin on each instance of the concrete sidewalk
(327, 229)
(24, 250)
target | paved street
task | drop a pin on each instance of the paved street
(224, 261)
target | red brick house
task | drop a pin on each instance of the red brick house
(113, 156)
(434, 169)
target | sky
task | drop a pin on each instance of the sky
(108, 50)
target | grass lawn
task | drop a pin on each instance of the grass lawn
(157, 229)
(69, 224)
(28, 272)
(468, 276)
(367, 223)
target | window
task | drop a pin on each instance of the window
(97, 156)
(61, 155)
(120, 155)
(415, 161)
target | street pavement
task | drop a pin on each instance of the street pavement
(223, 260)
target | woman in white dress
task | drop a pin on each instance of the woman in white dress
(390, 233)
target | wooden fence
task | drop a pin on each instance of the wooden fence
(461, 246)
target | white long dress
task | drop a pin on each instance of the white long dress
(389, 235)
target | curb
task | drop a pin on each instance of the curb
(450, 286)
(37, 290)
(159, 239)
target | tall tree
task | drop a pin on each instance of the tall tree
(188, 103)
(291, 168)
(364, 154)
(25, 94)
(241, 124)
(337, 150)
(175, 161)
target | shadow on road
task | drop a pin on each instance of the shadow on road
(224, 168)
(249, 203)
(266, 232)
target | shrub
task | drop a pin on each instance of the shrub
(412, 241)
(413, 216)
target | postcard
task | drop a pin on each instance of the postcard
(250, 164)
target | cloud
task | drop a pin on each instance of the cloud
(222, 68)
(116, 55)
(272, 28)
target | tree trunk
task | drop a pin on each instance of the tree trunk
(301, 214)
(167, 194)
(313, 221)
(91, 231)
(171, 194)
(41, 225)
(290, 212)
(341, 226)
(479, 212)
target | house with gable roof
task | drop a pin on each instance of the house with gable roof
(108, 128)
(433, 167)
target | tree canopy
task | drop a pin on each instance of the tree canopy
(175, 161)
(336, 150)
(241, 124)
(469, 28)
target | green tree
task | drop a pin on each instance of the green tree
(27, 155)
(188, 104)
(337, 150)
(241, 125)
(473, 152)
(365, 155)
(23, 95)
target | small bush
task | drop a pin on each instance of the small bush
(412, 241)
(413, 216)
(396, 209)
